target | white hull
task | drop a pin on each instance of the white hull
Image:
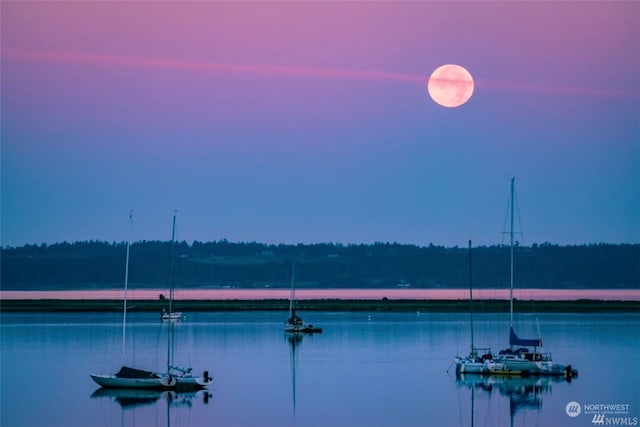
(176, 316)
(467, 366)
(513, 366)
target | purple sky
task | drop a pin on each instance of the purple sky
(311, 122)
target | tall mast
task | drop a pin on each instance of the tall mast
(471, 301)
(126, 285)
(173, 238)
(293, 295)
(170, 334)
(511, 246)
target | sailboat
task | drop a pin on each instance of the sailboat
(128, 377)
(134, 378)
(294, 323)
(473, 363)
(183, 377)
(523, 357)
(171, 316)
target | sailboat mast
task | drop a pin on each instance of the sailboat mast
(471, 300)
(126, 285)
(292, 296)
(124, 316)
(173, 238)
(511, 250)
(170, 334)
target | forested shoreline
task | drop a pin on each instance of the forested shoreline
(100, 265)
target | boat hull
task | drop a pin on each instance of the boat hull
(192, 383)
(171, 317)
(464, 366)
(112, 381)
(302, 329)
(161, 383)
(514, 368)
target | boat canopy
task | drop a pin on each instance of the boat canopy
(514, 340)
(127, 372)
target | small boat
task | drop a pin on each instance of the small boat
(294, 323)
(184, 379)
(171, 316)
(474, 363)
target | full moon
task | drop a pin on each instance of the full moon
(450, 85)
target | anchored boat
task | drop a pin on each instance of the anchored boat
(294, 323)
(474, 363)
(524, 355)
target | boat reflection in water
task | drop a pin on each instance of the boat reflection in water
(294, 339)
(524, 393)
(130, 399)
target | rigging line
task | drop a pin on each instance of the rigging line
(160, 330)
(506, 219)
(521, 232)
(522, 257)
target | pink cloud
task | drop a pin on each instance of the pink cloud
(311, 72)
(201, 66)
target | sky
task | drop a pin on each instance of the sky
(310, 122)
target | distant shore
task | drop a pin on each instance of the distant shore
(423, 300)
(224, 294)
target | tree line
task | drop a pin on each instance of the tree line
(101, 265)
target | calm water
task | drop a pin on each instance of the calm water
(366, 369)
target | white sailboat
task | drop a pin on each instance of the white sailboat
(294, 323)
(171, 316)
(473, 363)
(184, 379)
(523, 357)
(128, 377)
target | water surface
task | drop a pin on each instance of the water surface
(365, 369)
